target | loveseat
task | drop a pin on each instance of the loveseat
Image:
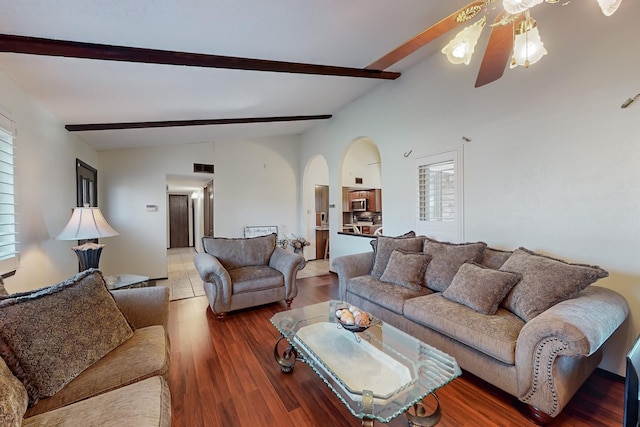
(76, 354)
(529, 324)
(246, 272)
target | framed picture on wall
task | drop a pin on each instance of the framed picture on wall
(260, 230)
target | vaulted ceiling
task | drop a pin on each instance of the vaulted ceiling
(338, 33)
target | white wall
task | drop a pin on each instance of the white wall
(45, 168)
(552, 165)
(255, 184)
(362, 161)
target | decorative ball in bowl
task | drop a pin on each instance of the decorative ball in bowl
(353, 319)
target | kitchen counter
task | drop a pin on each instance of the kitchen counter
(350, 233)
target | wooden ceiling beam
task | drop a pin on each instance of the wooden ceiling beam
(72, 49)
(179, 123)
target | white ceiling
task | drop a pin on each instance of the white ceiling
(348, 33)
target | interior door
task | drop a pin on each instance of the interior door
(208, 209)
(178, 221)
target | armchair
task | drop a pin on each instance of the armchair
(246, 272)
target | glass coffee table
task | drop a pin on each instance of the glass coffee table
(379, 373)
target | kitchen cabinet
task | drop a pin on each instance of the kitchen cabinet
(374, 200)
(322, 198)
(322, 243)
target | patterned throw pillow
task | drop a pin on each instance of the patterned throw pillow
(494, 258)
(545, 282)
(447, 258)
(479, 288)
(49, 336)
(406, 269)
(13, 398)
(386, 245)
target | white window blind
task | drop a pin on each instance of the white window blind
(439, 195)
(437, 192)
(8, 223)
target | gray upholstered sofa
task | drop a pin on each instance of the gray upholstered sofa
(76, 354)
(529, 324)
(246, 272)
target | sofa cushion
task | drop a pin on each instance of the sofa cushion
(13, 398)
(406, 269)
(144, 355)
(388, 295)
(374, 242)
(241, 252)
(494, 258)
(545, 282)
(495, 335)
(480, 288)
(51, 335)
(143, 404)
(249, 279)
(386, 245)
(447, 258)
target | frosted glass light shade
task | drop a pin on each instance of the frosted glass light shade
(609, 6)
(517, 6)
(527, 48)
(86, 223)
(460, 49)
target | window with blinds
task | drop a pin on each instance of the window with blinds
(8, 230)
(437, 192)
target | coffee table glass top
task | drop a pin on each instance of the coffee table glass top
(378, 373)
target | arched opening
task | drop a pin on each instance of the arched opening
(362, 188)
(315, 197)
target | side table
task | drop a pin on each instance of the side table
(128, 281)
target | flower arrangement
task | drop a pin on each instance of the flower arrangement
(298, 243)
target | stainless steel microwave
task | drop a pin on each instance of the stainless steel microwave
(359, 205)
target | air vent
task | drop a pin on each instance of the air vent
(202, 168)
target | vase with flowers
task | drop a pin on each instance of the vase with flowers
(298, 244)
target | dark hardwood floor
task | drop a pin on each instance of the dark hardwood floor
(224, 374)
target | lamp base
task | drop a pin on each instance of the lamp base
(88, 255)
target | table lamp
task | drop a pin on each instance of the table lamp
(87, 223)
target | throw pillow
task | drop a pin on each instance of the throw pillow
(241, 252)
(386, 245)
(374, 242)
(480, 288)
(447, 258)
(406, 269)
(494, 258)
(545, 282)
(51, 335)
(13, 398)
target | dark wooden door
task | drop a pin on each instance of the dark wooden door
(178, 221)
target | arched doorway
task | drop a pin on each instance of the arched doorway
(315, 211)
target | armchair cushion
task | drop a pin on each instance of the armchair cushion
(240, 252)
(545, 282)
(70, 326)
(249, 279)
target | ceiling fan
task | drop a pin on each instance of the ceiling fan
(514, 37)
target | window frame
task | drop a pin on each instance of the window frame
(9, 265)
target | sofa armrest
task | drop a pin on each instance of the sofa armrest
(349, 266)
(575, 328)
(288, 264)
(211, 271)
(144, 306)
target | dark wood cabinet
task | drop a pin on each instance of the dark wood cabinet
(374, 200)
(322, 244)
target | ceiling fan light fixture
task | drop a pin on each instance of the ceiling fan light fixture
(460, 49)
(527, 47)
(518, 6)
(609, 7)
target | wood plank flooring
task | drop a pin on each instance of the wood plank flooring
(224, 374)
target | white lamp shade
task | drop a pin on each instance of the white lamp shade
(460, 49)
(517, 6)
(527, 48)
(86, 223)
(609, 6)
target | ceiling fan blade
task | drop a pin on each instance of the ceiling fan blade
(496, 56)
(458, 17)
